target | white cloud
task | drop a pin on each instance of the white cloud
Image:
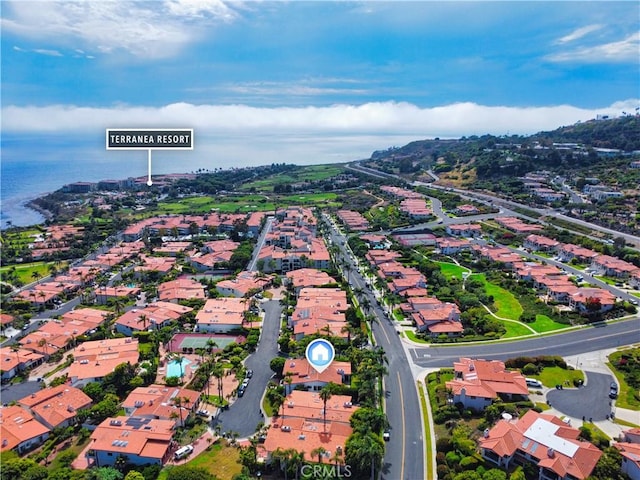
(384, 118)
(579, 33)
(50, 53)
(146, 29)
(621, 51)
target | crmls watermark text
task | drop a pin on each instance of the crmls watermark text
(325, 471)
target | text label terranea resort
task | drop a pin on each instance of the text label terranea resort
(149, 139)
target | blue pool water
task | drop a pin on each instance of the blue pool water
(173, 367)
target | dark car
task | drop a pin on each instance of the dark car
(249, 373)
(613, 391)
(240, 392)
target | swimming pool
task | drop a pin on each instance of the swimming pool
(174, 369)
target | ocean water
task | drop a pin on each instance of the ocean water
(34, 165)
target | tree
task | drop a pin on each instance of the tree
(320, 451)
(133, 475)
(325, 394)
(364, 454)
(277, 365)
(179, 359)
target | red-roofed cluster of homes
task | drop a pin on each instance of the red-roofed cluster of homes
(292, 243)
(429, 315)
(353, 220)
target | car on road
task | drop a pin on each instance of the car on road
(613, 390)
(240, 392)
(249, 373)
(245, 383)
(386, 436)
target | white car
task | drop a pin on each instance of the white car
(203, 413)
(386, 436)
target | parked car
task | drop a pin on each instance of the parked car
(613, 390)
(249, 373)
(203, 413)
(240, 392)
(386, 436)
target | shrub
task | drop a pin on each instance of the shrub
(530, 369)
(469, 463)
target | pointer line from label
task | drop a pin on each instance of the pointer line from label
(149, 182)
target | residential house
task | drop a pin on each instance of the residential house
(19, 430)
(308, 277)
(630, 458)
(477, 383)
(613, 267)
(221, 315)
(302, 374)
(13, 362)
(96, 359)
(544, 441)
(539, 243)
(244, 284)
(468, 230)
(56, 406)
(159, 402)
(592, 300)
(182, 288)
(139, 441)
(305, 426)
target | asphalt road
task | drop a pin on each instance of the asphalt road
(590, 401)
(404, 453)
(244, 415)
(575, 342)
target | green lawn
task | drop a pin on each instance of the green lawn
(301, 174)
(25, 270)
(451, 270)
(515, 329)
(552, 376)
(507, 306)
(220, 460)
(204, 204)
(546, 324)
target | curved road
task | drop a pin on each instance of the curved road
(574, 342)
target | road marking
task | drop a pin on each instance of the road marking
(403, 424)
(385, 334)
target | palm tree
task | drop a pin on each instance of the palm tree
(176, 357)
(143, 318)
(337, 456)
(325, 394)
(320, 451)
(42, 343)
(177, 401)
(218, 372)
(36, 276)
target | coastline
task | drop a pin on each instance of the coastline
(31, 204)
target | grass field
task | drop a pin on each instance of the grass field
(25, 270)
(515, 329)
(451, 270)
(301, 174)
(552, 376)
(507, 306)
(545, 324)
(239, 204)
(221, 460)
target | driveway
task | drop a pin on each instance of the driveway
(245, 413)
(591, 401)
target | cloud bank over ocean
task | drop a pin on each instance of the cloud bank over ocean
(374, 118)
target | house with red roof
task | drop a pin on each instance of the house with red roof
(544, 441)
(158, 401)
(244, 284)
(539, 243)
(613, 267)
(308, 277)
(221, 315)
(469, 230)
(182, 288)
(56, 406)
(477, 383)
(155, 315)
(140, 441)
(19, 430)
(95, 360)
(13, 362)
(592, 300)
(302, 374)
(305, 426)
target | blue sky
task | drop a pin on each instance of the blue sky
(332, 79)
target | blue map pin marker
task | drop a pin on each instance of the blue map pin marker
(320, 353)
